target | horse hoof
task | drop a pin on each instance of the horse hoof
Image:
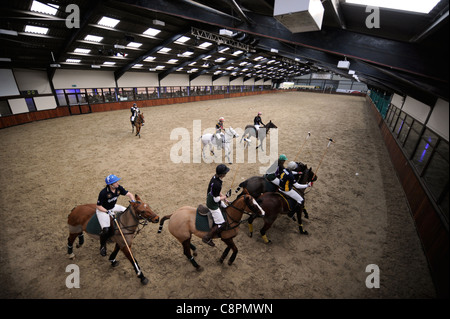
(304, 232)
(72, 256)
(250, 235)
(199, 268)
(114, 263)
(230, 263)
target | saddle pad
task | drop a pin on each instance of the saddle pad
(204, 222)
(93, 226)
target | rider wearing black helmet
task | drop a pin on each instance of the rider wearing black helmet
(214, 200)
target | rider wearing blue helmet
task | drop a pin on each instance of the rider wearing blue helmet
(107, 206)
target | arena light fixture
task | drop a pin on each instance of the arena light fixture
(108, 22)
(34, 29)
(419, 6)
(40, 7)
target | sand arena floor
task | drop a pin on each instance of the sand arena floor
(358, 212)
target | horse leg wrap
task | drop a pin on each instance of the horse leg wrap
(69, 249)
(250, 229)
(266, 240)
(80, 240)
(193, 262)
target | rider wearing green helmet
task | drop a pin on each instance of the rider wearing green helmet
(274, 171)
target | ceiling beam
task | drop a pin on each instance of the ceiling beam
(118, 73)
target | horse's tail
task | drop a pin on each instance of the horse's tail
(161, 222)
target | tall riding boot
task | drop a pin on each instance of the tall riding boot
(207, 239)
(104, 234)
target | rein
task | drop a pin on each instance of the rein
(139, 221)
(237, 222)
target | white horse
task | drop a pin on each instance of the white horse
(211, 140)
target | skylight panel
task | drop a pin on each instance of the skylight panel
(419, 6)
(134, 44)
(73, 60)
(182, 39)
(33, 29)
(204, 45)
(51, 9)
(152, 32)
(164, 50)
(80, 50)
(108, 22)
(93, 38)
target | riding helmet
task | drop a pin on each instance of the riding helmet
(111, 179)
(282, 157)
(292, 165)
(222, 169)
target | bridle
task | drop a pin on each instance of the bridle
(238, 222)
(138, 218)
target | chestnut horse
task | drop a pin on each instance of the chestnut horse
(182, 226)
(275, 203)
(137, 213)
(138, 122)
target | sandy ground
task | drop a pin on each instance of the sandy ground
(358, 212)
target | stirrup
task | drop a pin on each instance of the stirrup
(208, 241)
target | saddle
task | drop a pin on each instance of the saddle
(203, 218)
(93, 227)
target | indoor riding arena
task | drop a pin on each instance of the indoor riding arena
(378, 211)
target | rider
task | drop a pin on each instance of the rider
(214, 200)
(107, 206)
(134, 112)
(257, 122)
(220, 131)
(287, 182)
(274, 171)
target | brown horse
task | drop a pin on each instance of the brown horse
(138, 122)
(137, 213)
(182, 226)
(275, 203)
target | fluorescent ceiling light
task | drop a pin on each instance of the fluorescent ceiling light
(420, 6)
(238, 52)
(73, 60)
(258, 58)
(149, 59)
(33, 29)
(108, 22)
(93, 38)
(160, 67)
(219, 59)
(80, 50)
(5, 59)
(152, 32)
(182, 39)
(205, 44)
(134, 44)
(224, 49)
(194, 70)
(138, 65)
(109, 63)
(51, 9)
(164, 50)
(172, 61)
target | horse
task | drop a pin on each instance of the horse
(211, 140)
(250, 131)
(275, 203)
(182, 226)
(83, 218)
(138, 122)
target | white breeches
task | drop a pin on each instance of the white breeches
(276, 181)
(294, 195)
(217, 216)
(257, 127)
(103, 217)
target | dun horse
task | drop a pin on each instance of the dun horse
(83, 219)
(138, 122)
(183, 224)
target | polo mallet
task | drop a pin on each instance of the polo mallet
(128, 247)
(228, 194)
(298, 153)
(330, 140)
